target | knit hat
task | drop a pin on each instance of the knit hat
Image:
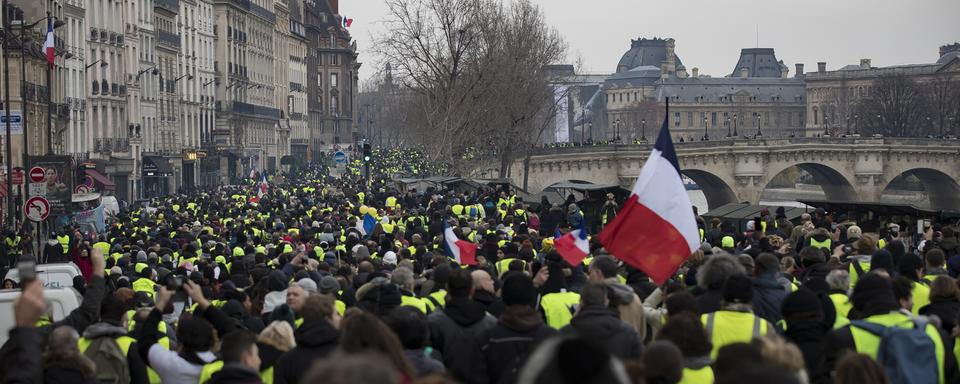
(518, 289)
(727, 242)
(801, 302)
(141, 257)
(738, 289)
(854, 232)
(781, 212)
(909, 264)
(882, 259)
(328, 284)
(873, 289)
(706, 248)
(390, 257)
(308, 285)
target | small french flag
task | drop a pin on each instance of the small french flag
(464, 252)
(573, 246)
(346, 21)
(48, 45)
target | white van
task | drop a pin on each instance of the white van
(60, 302)
(57, 275)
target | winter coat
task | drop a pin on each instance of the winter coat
(138, 369)
(235, 373)
(491, 303)
(550, 220)
(455, 332)
(809, 337)
(505, 347)
(710, 301)
(947, 310)
(768, 296)
(62, 374)
(315, 340)
(602, 325)
(628, 305)
(20, 356)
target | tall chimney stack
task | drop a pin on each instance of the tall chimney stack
(696, 72)
(822, 67)
(744, 73)
(799, 70)
(664, 70)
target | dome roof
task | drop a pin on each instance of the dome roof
(644, 53)
(949, 56)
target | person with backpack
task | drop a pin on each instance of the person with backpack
(112, 351)
(241, 359)
(909, 349)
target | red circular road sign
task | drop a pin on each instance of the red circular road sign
(37, 174)
(37, 208)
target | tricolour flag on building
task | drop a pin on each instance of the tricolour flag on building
(49, 46)
(574, 246)
(346, 21)
(656, 230)
(464, 252)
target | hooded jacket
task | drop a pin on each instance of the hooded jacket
(491, 303)
(604, 326)
(768, 296)
(629, 306)
(138, 369)
(505, 347)
(315, 340)
(455, 332)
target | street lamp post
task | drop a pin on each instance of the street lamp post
(643, 130)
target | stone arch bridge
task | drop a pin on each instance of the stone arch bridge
(728, 171)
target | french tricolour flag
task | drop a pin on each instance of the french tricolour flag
(464, 252)
(656, 230)
(49, 47)
(573, 246)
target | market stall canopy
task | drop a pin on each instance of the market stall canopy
(739, 213)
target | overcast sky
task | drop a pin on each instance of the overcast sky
(710, 33)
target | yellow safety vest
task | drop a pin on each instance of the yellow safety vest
(704, 375)
(841, 303)
(410, 301)
(730, 327)
(391, 202)
(266, 376)
(457, 209)
(558, 308)
(852, 271)
(821, 244)
(504, 265)
(144, 284)
(64, 243)
(209, 369)
(103, 247)
(869, 344)
(438, 296)
(124, 342)
(921, 297)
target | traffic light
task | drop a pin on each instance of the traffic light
(366, 153)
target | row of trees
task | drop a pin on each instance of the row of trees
(474, 76)
(901, 105)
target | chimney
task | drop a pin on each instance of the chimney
(682, 73)
(799, 70)
(864, 63)
(744, 73)
(335, 7)
(664, 70)
(696, 72)
(784, 72)
(822, 67)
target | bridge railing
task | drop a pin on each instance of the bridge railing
(756, 142)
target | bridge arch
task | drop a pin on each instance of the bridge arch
(836, 186)
(942, 189)
(717, 191)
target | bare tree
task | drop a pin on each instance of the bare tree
(943, 102)
(476, 69)
(894, 107)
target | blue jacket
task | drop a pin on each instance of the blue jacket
(768, 296)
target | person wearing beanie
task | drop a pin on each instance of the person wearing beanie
(735, 321)
(875, 302)
(911, 267)
(861, 261)
(597, 321)
(519, 330)
(804, 313)
(853, 234)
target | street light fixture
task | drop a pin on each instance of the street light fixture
(101, 61)
(643, 128)
(153, 71)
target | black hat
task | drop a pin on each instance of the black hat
(873, 289)
(781, 213)
(738, 289)
(801, 301)
(882, 259)
(518, 289)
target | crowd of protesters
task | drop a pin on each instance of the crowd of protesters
(299, 286)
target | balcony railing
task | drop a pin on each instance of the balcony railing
(109, 145)
(168, 38)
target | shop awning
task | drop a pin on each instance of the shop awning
(99, 178)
